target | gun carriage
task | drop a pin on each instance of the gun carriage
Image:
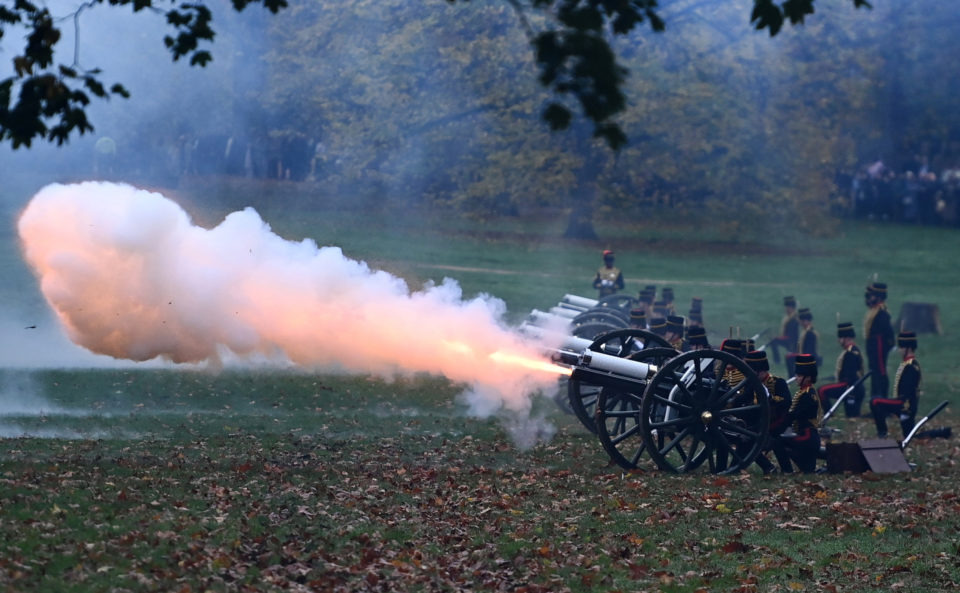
(685, 411)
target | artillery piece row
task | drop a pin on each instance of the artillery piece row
(640, 396)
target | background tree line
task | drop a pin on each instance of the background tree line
(440, 106)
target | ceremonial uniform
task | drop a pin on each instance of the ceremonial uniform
(878, 338)
(849, 371)
(778, 397)
(906, 390)
(802, 445)
(789, 330)
(807, 340)
(675, 327)
(609, 278)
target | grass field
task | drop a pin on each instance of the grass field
(264, 479)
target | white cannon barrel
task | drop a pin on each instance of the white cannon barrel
(564, 312)
(614, 364)
(542, 318)
(564, 342)
(579, 301)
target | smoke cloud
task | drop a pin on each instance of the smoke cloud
(128, 275)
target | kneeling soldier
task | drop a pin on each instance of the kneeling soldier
(802, 445)
(906, 388)
(778, 395)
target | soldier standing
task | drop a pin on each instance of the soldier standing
(802, 445)
(789, 329)
(807, 341)
(609, 278)
(849, 371)
(906, 389)
(878, 338)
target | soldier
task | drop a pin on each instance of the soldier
(849, 371)
(609, 278)
(674, 333)
(878, 338)
(807, 341)
(697, 338)
(695, 318)
(802, 445)
(731, 376)
(789, 329)
(906, 389)
(778, 394)
(658, 325)
(666, 295)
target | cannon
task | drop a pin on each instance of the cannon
(639, 395)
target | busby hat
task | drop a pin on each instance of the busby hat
(877, 289)
(660, 308)
(608, 253)
(805, 365)
(697, 336)
(638, 317)
(667, 294)
(733, 346)
(646, 296)
(696, 304)
(675, 324)
(789, 301)
(757, 360)
(658, 325)
(907, 339)
(695, 315)
(845, 330)
(805, 314)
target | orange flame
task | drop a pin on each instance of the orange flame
(529, 363)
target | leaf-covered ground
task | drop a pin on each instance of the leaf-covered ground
(337, 484)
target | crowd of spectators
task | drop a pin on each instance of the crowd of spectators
(912, 192)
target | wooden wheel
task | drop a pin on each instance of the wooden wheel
(618, 414)
(690, 417)
(582, 395)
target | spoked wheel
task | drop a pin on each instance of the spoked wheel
(689, 417)
(621, 303)
(618, 414)
(621, 342)
(596, 315)
(591, 331)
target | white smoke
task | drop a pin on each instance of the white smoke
(128, 275)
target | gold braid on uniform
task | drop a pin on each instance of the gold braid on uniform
(797, 398)
(869, 317)
(896, 381)
(785, 321)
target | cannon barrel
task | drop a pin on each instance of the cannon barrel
(542, 318)
(565, 312)
(578, 301)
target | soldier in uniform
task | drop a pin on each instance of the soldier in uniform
(778, 394)
(695, 319)
(906, 390)
(674, 333)
(731, 376)
(666, 295)
(609, 278)
(802, 445)
(789, 329)
(849, 371)
(878, 338)
(697, 338)
(807, 341)
(658, 325)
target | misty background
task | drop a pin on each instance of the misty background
(433, 106)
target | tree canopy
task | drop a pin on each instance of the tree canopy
(46, 98)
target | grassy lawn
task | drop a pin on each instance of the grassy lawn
(167, 479)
